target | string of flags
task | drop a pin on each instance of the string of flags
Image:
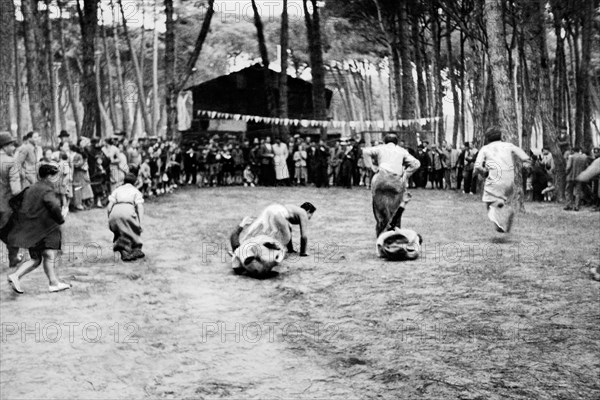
(311, 123)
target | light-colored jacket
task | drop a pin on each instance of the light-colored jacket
(392, 158)
(27, 160)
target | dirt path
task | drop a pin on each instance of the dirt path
(516, 321)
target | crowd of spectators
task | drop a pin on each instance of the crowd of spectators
(92, 169)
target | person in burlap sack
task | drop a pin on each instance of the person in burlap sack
(389, 186)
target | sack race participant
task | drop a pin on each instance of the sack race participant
(260, 244)
(495, 163)
(399, 244)
(389, 186)
(125, 213)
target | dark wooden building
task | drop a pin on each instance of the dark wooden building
(243, 92)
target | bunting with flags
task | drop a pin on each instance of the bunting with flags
(306, 123)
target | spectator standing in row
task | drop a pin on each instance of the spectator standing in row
(576, 164)
(28, 155)
(10, 186)
(280, 156)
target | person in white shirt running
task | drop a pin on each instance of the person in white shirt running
(495, 163)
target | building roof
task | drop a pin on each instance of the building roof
(243, 92)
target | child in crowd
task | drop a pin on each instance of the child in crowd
(548, 192)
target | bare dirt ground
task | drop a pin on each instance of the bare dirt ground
(479, 316)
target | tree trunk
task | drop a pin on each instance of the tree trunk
(109, 73)
(478, 75)
(88, 20)
(197, 47)
(67, 69)
(421, 90)
(35, 81)
(123, 98)
(585, 81)
(18, 91)
(315, 45)
(283, 84)
(171, 98)
(51, 73)
(138, 105)
(529, 76)
(462, 89)
(7, 61)
(397, 80)
(155, 103)
(551, 132)
(264, 55)
(456, 101)
(107, 129)
(437, 77)
(503, 87)
(138, 74)
(409, 106)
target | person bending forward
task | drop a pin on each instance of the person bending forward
(389, 186)
(269, 232)
(125, 213)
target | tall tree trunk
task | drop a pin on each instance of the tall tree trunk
(49, 55)
(315, 44)
(18, 91)
(551, 132)
(421, 90)
(88, 20)
(283, 82)
(478, 75)
(397, 81)
(138, 74)
(264, 55)
(529, 76)
(391, 36)
(586, 83)
(171, 98)
(503, 87)
(109, 73)
(456, 101)
(155, 103)
(409, 106)
(437, 77)
(198, 46)
(559, 58)
(123, 98)
(107, 128)
(429, 83)
(7, 61)
(462, 89)
(67, 69)
(35, 81)
(138, 106)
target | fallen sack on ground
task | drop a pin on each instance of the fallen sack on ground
(399, 244)
(258, 255)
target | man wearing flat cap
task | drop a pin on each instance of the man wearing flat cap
(10, 185)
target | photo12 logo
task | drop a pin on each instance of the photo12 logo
(53, 332)
(254, 332)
